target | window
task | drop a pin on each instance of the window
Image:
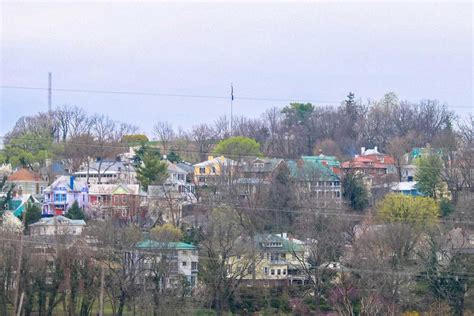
(202, 179)
(202, 170)
(284, 271)
(239, 257)
(279, 271)
(184, 263)
(180, 176)
(194, 266)
(272, 271)
(265, 270)
(124, 198)
(213, 169)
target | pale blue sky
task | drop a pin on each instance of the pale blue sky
(303, 51)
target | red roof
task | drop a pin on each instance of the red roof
(24, 174)
(375, 161)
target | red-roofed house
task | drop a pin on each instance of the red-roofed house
(373, 163)
(26, 181)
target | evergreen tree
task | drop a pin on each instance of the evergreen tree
(33, 214)
(75, 212)
(428, 175)
(355, 192)
(174, 157)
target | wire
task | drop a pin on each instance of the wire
(168, 94)
(243, 98)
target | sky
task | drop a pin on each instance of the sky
(315, 52)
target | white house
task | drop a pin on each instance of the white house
(57, 225)
(179, 261)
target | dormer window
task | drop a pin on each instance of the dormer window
(258, 164)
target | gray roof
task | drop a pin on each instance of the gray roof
(59, 220)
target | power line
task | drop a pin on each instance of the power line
(202, 96)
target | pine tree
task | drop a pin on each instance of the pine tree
(75, 212)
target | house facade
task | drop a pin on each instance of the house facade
(57, 225)
(108, 172)
(317, 180)
(278, 261)
(378, 166)
(177, 261)
(61, 195)
(116, 200)
(27, 182)
(207, 171)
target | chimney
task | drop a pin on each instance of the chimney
(362, 151)
(376, 149)
(210, 157)
(284, 235)
(71, 182)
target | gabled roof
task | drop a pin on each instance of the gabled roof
(64, 183)
(174, 168)
(110, 189)
(215, 161)
(58, 220)
(152, 244)
(263, 240)
(24, 175)
(330, 161)
(269, 164)
(311, 170)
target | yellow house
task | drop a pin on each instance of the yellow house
(212, 168)
(278, 260)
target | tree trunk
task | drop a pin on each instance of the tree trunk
(121, 303)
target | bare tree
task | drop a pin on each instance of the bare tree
(165, 133)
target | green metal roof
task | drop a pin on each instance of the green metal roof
(331, 161)
(311, 170)
(152, 244)
(286, 245)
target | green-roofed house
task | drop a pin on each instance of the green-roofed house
(317, 178)
(278, 261)
(178, 261)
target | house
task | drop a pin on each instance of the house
(116, 200)
(178, 261)
(406, 188)
(316, 180)
(19, 204)
(260, 168)
(61, 195)
(378, 166)
(27, 182)
(175, 193)
(208, 171)
(278, 261)
(57, 225)
(107, 172)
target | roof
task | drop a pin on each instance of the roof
(107, 167)
(109, 189)
(405, 186)
(24, 175)
(186, 166)
(269, 164)
(330, 161)
(58, 220)
(18, 204)
(174, 168)
(311, 170)
(63, 182)
(152, 244)
(286, 244)
(215, 161)
(379, 161)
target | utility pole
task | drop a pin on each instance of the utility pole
(16, 308)
(231, 109)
